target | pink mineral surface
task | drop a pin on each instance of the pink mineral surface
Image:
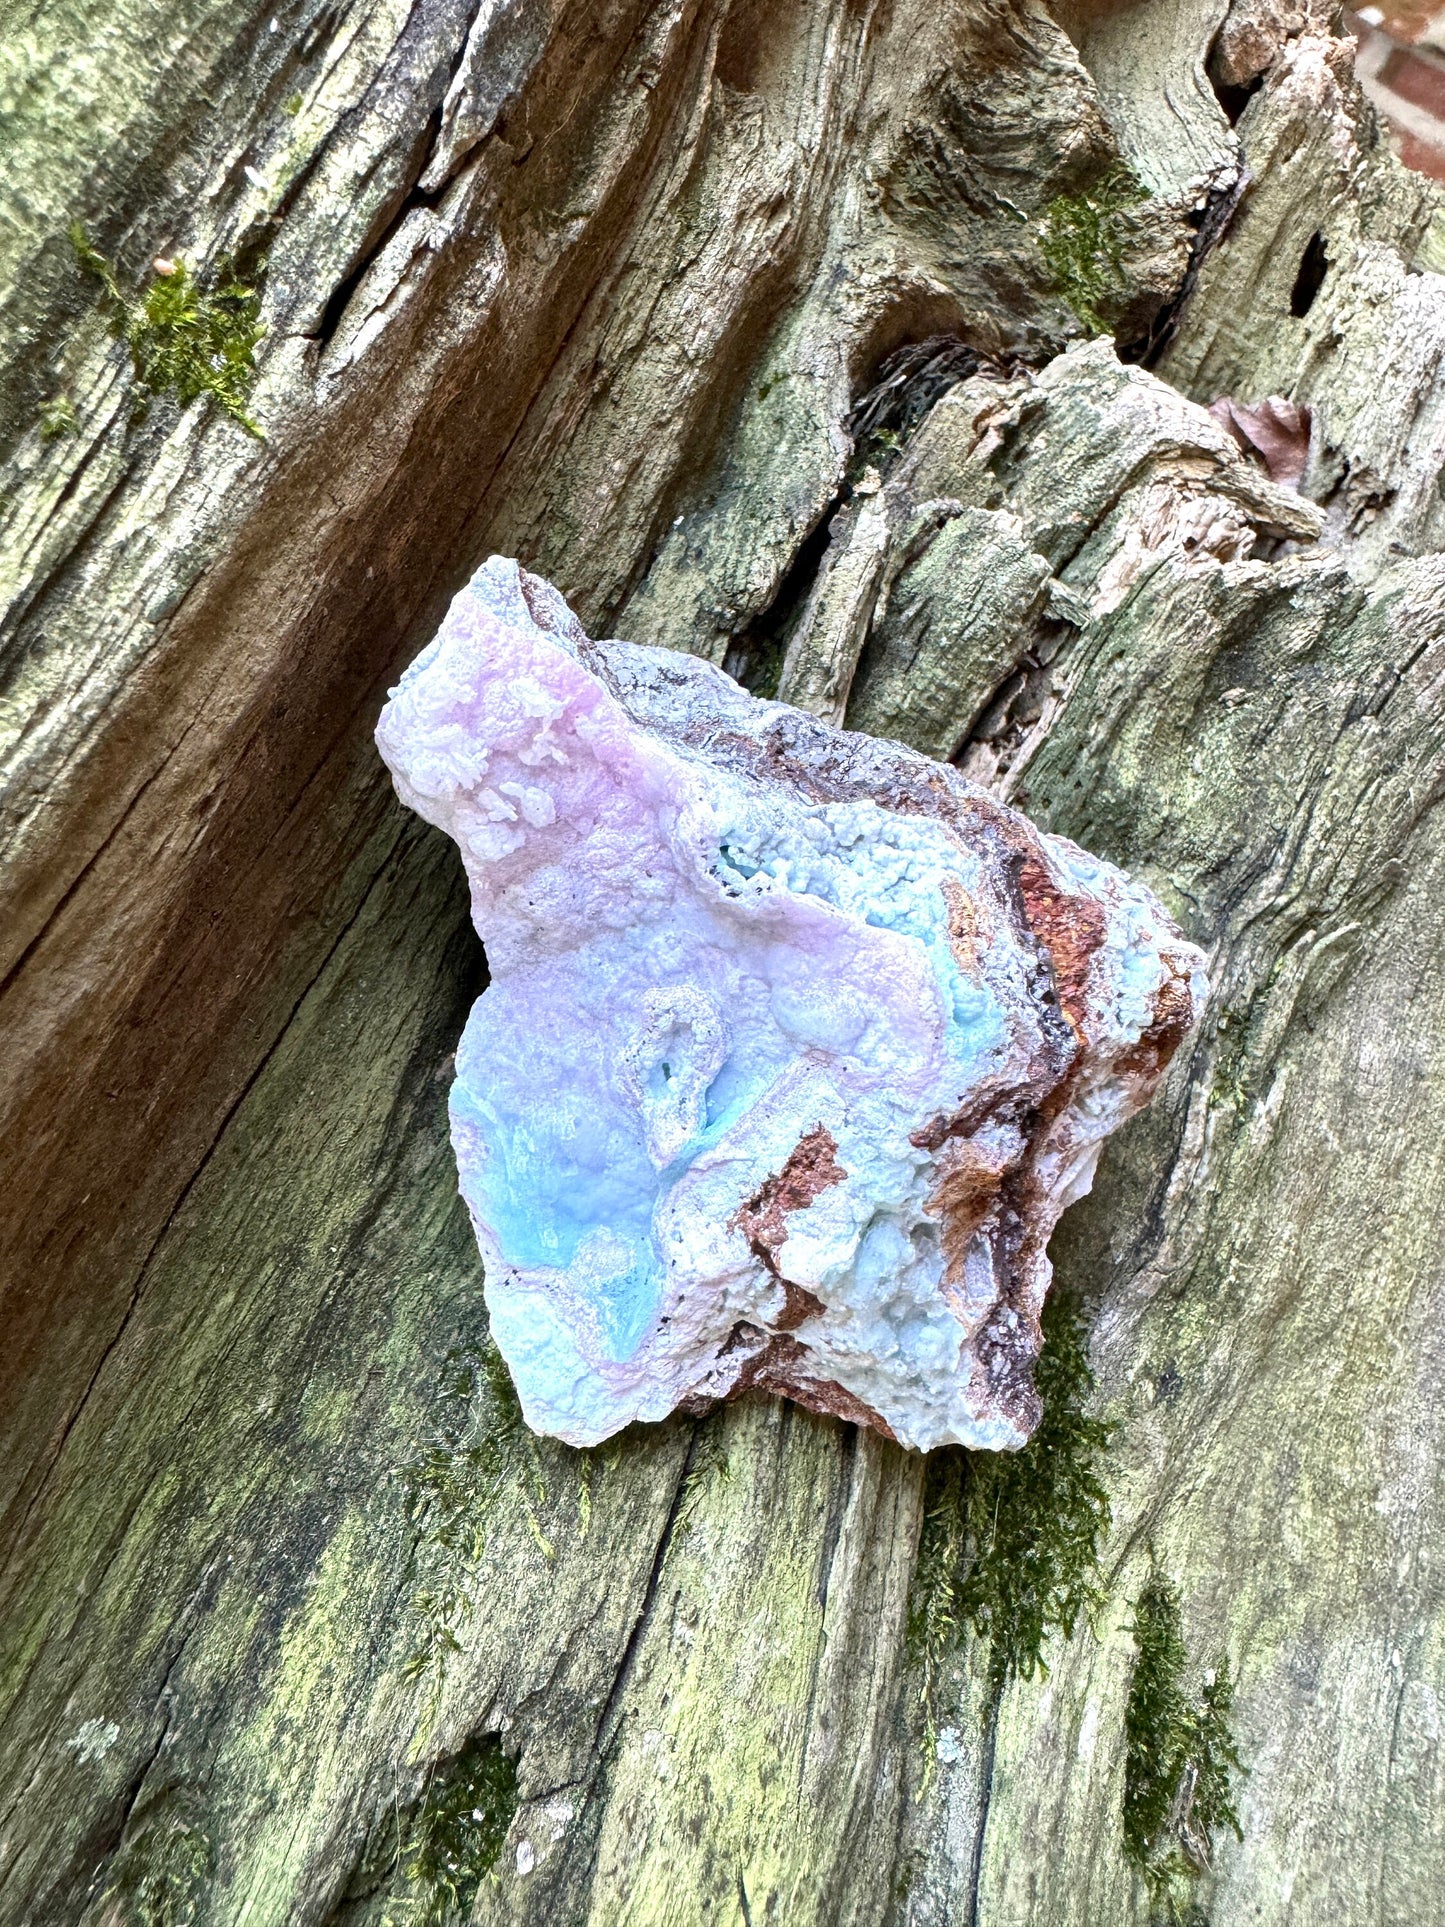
(796, 1043)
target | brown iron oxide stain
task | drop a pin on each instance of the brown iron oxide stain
(973, 1179)
(1071, 929)
(781, 1366)
(799, 1305)
(964, 1195)
(961, 1123)
(812, 1166)
(1173, 1015)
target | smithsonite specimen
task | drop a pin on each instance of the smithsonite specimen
(796, 1043)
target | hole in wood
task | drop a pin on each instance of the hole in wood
(1314, 266)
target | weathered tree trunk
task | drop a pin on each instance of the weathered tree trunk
(599, 286)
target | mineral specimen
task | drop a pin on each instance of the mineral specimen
(796, 1043)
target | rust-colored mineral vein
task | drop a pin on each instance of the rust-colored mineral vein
(810, 1168)
(1071, 928)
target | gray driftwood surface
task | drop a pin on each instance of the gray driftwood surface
(597, 285)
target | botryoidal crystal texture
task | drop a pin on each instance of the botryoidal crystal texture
(796, 1043)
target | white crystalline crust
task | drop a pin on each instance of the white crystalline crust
(795, 1047)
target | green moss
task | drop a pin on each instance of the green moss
(711, 1470)
(292, 105)
(57, 418)
(880, 451)
(1180, 1758)
(454, 1834)
(766, 671)
(161, 1868)
(1082, 245)
(1229, 1089)
(452, 1487)
(480, 1446)
(186, 340)
(1009, 1549)
(908, 382)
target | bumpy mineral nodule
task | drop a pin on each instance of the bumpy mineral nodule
(796, 1043)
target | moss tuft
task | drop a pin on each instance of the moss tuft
(480, 1445)
(1082, 244)
(884, 418)
(454, 1834)
(161, 1868)
(1229, 1089)
(57, 418)
(186, 340)
(1010, 1541)
(1179, 1760)
(452, 1488)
